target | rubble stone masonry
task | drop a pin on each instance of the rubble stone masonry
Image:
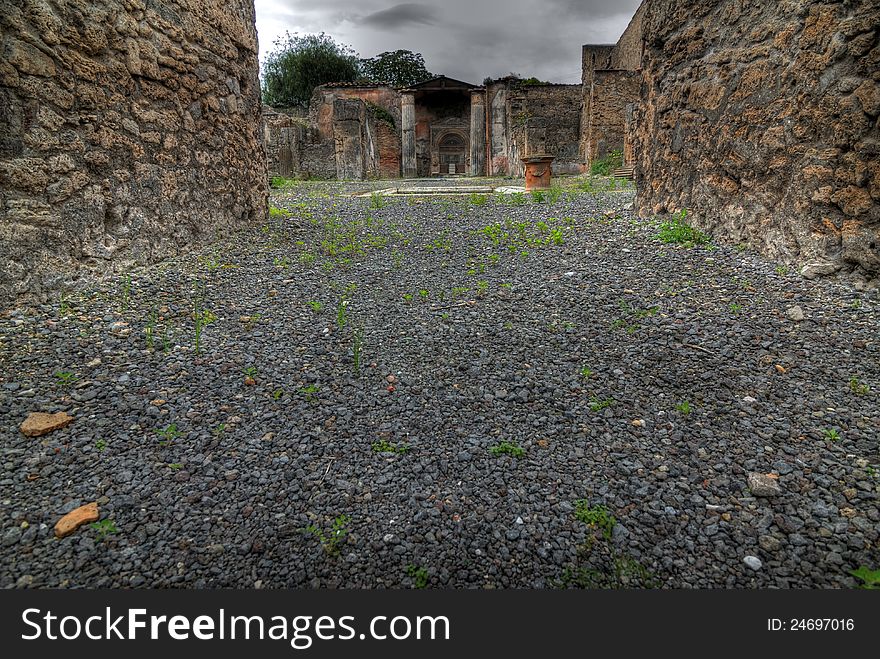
(761, 118)
(129, 131)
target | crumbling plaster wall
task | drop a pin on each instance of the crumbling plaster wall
(129, 132)
(762, 120)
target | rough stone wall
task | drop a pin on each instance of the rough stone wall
(129, 131)
(762, 120)
(352, 146)
(610, 93)
(616, 90)
(558, 109)
(525, 119)
(627, 52)
(321, 105)
(283, 137)
(593, 58)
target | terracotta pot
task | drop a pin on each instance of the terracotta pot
(538, 171)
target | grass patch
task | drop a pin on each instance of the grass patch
(604, 166)
(507, 448)
(384, 446)
(676, 230)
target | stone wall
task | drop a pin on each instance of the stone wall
(557, 109)
(627, 52)
(129, 131)
(762, 120)
(526, 119)
(611, 91)
(283, 137)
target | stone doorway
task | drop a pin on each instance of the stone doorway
(453, 149)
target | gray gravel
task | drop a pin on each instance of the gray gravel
(699, 374)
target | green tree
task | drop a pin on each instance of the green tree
(401, 68)
(297, 64)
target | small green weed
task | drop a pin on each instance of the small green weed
(857, 387)
(310, 392)
(419, 576)
(595, 517)
(676, 230)
(104, 528)
(384, 446)
(66, 378)
(507, 448)
(870, 578)
(333, 537)
(831, 434)
(168, 434)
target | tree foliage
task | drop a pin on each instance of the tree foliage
(299, 63)
(400, 68)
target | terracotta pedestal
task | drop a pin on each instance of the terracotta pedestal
(538, 171)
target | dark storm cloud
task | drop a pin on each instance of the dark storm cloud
(400, 15)
(464, 39)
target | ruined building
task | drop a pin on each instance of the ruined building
(438, 127)
(129, 131)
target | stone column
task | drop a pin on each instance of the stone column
(478, 132)
(408, 134)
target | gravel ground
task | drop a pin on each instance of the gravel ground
(420, 394)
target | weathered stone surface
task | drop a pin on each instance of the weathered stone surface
(761, 120)
(129, 132)
(76, 518)
(42, 423)
(818, 268)
(795, 313)
(763, 485)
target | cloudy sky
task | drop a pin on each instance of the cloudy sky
(464, 39)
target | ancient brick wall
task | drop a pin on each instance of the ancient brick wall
(129, 131)
(611, 92)
(593, 57)
(762, 120)
(333, 147)
(387, 138)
